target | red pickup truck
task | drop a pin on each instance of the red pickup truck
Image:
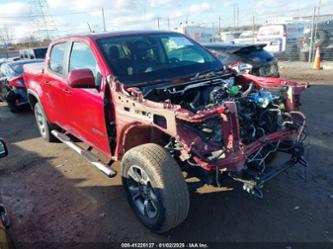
(170, 111)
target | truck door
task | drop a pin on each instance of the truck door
(86, 106)
(55, 87)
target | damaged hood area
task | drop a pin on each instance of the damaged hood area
(220, 116)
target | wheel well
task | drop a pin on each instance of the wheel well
(142, 134)
(32, 100)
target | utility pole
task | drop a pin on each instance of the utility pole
(312, 36)
(316, 26)
(254, 22)
(168, 23)
(104, 27)
(219, 24)
(237, 15)
(158, 22)
(253, 30)
(234, 15)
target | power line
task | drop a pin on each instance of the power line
(46, 26)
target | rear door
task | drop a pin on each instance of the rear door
(55, 87)
(86, 106)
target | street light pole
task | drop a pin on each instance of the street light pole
(311, 35)
(104, 27)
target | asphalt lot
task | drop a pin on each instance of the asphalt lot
(54, 195)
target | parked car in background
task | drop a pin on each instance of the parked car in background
(12, 83)
(254, 58)
(284, 40)
(323, 39)
(229, 37)
(199, 34)
(247, 37)
(33, 53)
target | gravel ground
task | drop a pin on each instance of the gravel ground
(302, 71)
(54, 195)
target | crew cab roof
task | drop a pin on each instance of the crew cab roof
(96, 36)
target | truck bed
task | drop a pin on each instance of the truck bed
(33, 73)
(34, 68)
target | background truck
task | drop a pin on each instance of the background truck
(170, 111)
(199, 34)
(283, 40)
(33, 53)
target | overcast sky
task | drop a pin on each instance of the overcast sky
(20, 17)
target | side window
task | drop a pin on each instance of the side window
(56, 63)
(82, 58)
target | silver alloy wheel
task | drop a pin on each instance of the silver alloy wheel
(142, 192)
(40, 120)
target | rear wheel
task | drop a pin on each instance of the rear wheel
(43, 125)
(11, 98)
(155, 187)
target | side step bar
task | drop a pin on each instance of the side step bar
(85, 153)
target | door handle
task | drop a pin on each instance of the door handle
(66, 90)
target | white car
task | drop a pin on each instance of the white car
(229, 37)
(247, 37)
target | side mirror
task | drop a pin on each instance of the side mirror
(81, 78)
(3, 149)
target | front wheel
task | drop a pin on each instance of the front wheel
(42, 123)
(155, 187)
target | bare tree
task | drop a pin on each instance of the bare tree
(6, 39)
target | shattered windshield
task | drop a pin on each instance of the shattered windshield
(149, 57)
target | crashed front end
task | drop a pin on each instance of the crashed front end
(223, 123)
(229, 133)
(252, 119)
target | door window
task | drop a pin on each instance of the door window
(82, 58)
(57, 58)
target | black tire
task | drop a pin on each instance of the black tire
(168, 198)
(43, 125)
(11, 98)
